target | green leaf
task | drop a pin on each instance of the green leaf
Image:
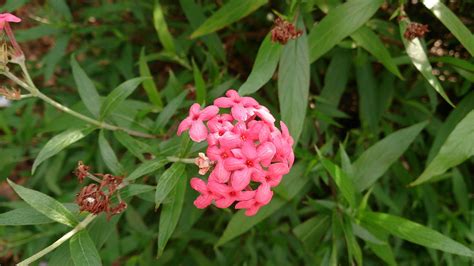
(58, 143)
(199, 84)
(368, 91)
(415, 233)
(83, 250)
(23, 216)
(147, 168)
(170, 214)
(368, 40)
(118, 95)
(168, 181)
(311, 231)
(339, 23)
(417, 54)
(108, 155)
(55, 55)
(452, 22)
(337, 75)
(62, 8)
(162, 28)
(457, 148)
(195, 15)
(231, 12)
(293, 84)
(343, 182)
(149, 84)
(292, 183)
(455, 116)
(264, 66)
(376, 160)
(86, 88)
(133, 145)
(169, 110)
(352, 245)
(45, 205)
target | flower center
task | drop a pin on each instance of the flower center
(249, 163)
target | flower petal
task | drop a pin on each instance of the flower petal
(278, 169)
(224, 202)
(184, 125)
(265, 152)
(203, 201)
(230, 140)
(239, 112)
(220, 174)
(249, 151)
(223, 102)
(252, 211)
(195, 110)
(249, 102)
(209, 112)
(264, 194)
(198, 131)
(245, 204)
(232, 164)
(219, 189)
(245, 195)
(265, 115)
(199, 185)
(240, 179)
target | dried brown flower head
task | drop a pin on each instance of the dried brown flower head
(96, 198)
(283, 31)
(415, 30)
(81, 171)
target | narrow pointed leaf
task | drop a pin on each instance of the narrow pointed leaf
(343, 182)
(293, 84)
(368, 40)
(376, 160)
(459, 146)
(86, 88)
(83, 250)
(118, 95)
(162, 28)
(108, 155)
(147, 168)
(149, 84)
(231, 12)
(338, 24)
(418, 57)
(170, 214)
(415, 233)
(264, 66)
(58, 143)
(45, 205)
(199, 84)
(168, 181)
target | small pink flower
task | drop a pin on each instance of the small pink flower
(229, 195)
(206, 197)
(194, 122)
(262, 197)
(7, 17)
(237, 104)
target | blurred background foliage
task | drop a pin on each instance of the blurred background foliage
(367, 121)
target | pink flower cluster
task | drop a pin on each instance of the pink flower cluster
(247, 153)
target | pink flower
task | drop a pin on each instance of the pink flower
(237, 104)
(262, 197)
(206, 197)
(194, 122)
(245, 149)
(7, 17)
(229, 195)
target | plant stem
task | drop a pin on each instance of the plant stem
(83, 224)
(35, 92)
(181, 160)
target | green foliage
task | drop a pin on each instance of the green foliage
(383, 160)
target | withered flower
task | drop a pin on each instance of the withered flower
(415, 30)
(81, 171)
(283, 31)
(94, 198)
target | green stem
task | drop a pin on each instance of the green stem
(181, 160)
(29, 86)
(83, 224)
